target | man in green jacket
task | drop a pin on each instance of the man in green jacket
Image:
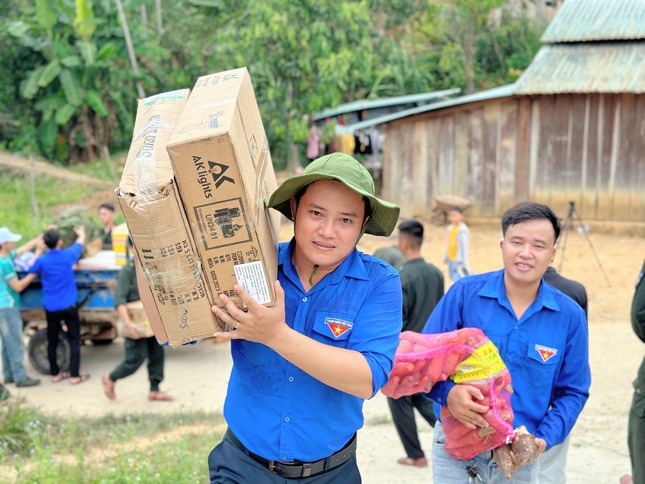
(636, 426)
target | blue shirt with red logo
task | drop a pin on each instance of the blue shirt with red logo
(280, 412)
(546, 350)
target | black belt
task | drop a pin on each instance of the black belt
(296, 469)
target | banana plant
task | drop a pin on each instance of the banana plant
(69, 87)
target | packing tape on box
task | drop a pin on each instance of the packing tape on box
(144, 163)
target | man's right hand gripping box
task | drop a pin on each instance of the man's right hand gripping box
(223, 169)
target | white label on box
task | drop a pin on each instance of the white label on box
(251, 277)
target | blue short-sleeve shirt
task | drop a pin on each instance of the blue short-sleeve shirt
(280, 412)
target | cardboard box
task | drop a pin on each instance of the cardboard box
(223, 169)
(154, 213)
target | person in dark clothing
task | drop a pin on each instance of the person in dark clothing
(553, 462)
(138, 346)
(423, 286)
(636, 424)
(571, 288)
(106, 214)
(392, 255)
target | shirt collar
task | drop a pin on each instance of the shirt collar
(352, 266)
(494, 288)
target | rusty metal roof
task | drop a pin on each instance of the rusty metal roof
(597, 20)
(608, 67)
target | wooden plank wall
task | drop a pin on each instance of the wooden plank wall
(549, 149)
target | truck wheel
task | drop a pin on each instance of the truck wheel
(37, 350)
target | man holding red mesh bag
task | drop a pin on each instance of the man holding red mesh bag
(541, 336)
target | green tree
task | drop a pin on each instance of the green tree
(80, 81)
(474, 44)
(306, 56)
(67, 82)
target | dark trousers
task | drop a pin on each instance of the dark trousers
(136, 351)
(229, 465)
(54, 320)
(636, 437)
(402, 410)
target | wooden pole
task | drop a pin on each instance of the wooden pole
(159, 17)
(128, 42)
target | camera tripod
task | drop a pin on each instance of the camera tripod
(568, 224)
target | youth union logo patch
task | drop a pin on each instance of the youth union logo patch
(338, 327)
(545, 352)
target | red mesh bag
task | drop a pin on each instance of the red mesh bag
(467, 357)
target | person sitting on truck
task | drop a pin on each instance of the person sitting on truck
(13, 347)
(137, 346)
(56, 271)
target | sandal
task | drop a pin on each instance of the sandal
(409, 461)
(160, 396)
(63, 375)
(108, 387)
(79, 379)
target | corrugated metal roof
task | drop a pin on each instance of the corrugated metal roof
(384, 102)
(588, 20)
(609, 67)
(495, 93)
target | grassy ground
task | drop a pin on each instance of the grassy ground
(35, 448)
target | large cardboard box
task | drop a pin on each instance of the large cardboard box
(223, 168)
(154, 213)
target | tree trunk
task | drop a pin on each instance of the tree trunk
(159, 17)
(32, 194)
(293, 157)
(144, 19)
(128, 42)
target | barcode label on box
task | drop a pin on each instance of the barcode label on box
(251, 277)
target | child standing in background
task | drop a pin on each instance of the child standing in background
(456, 254)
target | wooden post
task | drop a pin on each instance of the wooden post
(128, 42)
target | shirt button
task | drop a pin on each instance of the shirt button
(287, 419)
(291, 379)
(304, 299)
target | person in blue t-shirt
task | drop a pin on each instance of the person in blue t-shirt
(541, 335)
(56, 271)
(303, 368)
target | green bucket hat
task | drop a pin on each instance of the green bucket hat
(345, 169)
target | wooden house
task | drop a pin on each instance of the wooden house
(572, 128)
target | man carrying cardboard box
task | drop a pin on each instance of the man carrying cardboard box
(303, 367)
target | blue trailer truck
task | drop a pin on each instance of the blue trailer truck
(96, 311)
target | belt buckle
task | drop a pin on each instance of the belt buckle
(306, 469)
(271, 465)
